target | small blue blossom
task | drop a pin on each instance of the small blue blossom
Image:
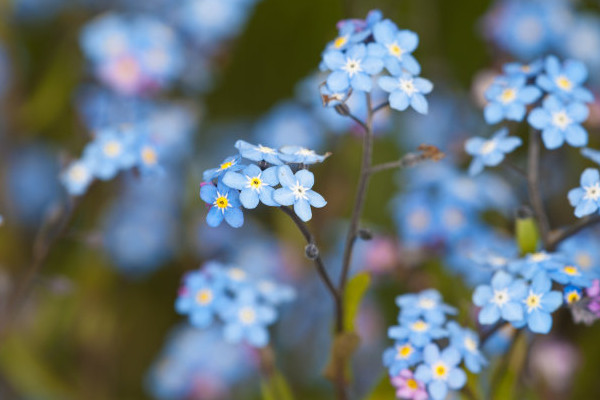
(401, 356)
(565, 80)
(571, 275)
(500, 300)
(527, 70)
(572, 294)
(417, 331)
(582, 249)
(533, 263)
(109, 153)
(467, 342)
(560, 122)
(407, 90)
(77, 177)
(224, 204)
(352, 31)
(586, 199)
(296, 191)
(229, 164)
(540, 302)
(354, 68)
(490, 152)
(254, 184)
(274, 293)
(258, 153)
(398, 46)
(301, 155)
(427, 304)
(200, 297)
(440, 371)
(246, 318)
(508, 98)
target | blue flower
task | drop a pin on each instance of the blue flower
(351, 31)
(565, 80)
(490, 152)
(258, 153)
(229, 164)
(440, 371)
(275, 293)
(301, 155)
(353, 69)
(571, 275)
(398, 47)
(582, 249)
(109, 153)
(533, 263)
(224, 204)
(427, 304)
(508, 98)
(572, 294)
(296, 191)
(402, 355)
(77, 177)
(247, 319)
(540, 302)
(254, 184)
(586, 199)
(416, 330)
(559, 122)
(526, 70)
(500, 300)
(407, 90)
(200, 297)
(467, 342)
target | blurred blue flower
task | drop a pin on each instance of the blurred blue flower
(406, 90)
(354, 68)
(417, 331)
(540, 302)
(77, 177)
(533, 263)
(440, 371)
(583, 250)
(254, 184)
(490, 152)
(200, 297)
(401, 356)
(427, 304)
(565, 80)
(110, 152)
(297, 190)
(586, 199)
(224, 204)
(466, 342)
(501, 299)
(581, 41)
(301, 155)
(508, 98)
(571, 275)
(398, 44)
(572, 294)
(528, 70)
(560, 122)
(229, 164)
(258, 153)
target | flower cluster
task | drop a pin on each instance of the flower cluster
(361, 52)
(521, 292)
(586, 199)
(245, 306)
(270, 180)
(422, 322)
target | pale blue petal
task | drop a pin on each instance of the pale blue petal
(419, 103)
(585, 207)
(576, 136)
(551, 301)
(302, 210)
(208, 193)
(589, 177)
(553, 138)
(512, 311)
(457, 378)
(575, 196)
(234, 217)
(482, 295)
(315, 199)
(361, 82)
(306, 178)
(334, 60)
(438, 390)
(338, 81)
(493, 113)
(399, 100)
(489, 314)
(284, 196)
(266, 196)
(539, 322)
(249, 198)
(286, 176)
(235, 180)
(214, 217)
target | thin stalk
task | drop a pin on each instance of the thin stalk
(559, 235)
(533, 180)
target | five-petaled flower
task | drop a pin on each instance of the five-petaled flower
(200, 297)
(402, 355)
(229, 164)
(500, 300)
(258, 153)
(224, 204)
(565, 80)
(406, 90)
(398, 46)
(297, 190)
(254, 184)
(490, 152)
(440, 371)
(560, 122)
(539, 303)
(508, 98)
(354, 68)
(586, 199)
(407, 387)
(427, 304)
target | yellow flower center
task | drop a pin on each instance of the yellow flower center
(561, 119)
(340, 41)
(427, 303)
(470, 344)
(226, 165)
(538, 257)
(405, 351)
(204, 297)
(440, 370)
(149, 156)
(255, 183)
(395, 50)
(412, 384)
(112, 148)
(419, 326)
(236, 274)
(571, 270)
(265, 149)
(564, 83)
(508, 95)
(573, 297)
(247, 315)
(532, 301)
(222, 202)
(78, 173)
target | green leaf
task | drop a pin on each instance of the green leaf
(275, 387)
(344, 346)
(383, 391)
(357, 286)
(527, 235)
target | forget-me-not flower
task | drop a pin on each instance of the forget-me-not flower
(540, 302)
(109, 153)
(571, 275)
(398, 46)
(490, 152)
(229, 164)
(586, 199)
(508, 98)
(526, 70)
(254, 184)
(572, 294)
(224, 204)
(417, 331)
(258, 153)
(200, 297)
(440, 371)
(467, 342)
(402, 355)
(354, 68)
(427, 304)
(533, 263)
(77, 177)
(560, 122)
(565, 80)
(501, 299)
(406, 90)
(297, 190)
(301, 155)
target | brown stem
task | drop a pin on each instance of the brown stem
(558, 235)
(535, 196)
